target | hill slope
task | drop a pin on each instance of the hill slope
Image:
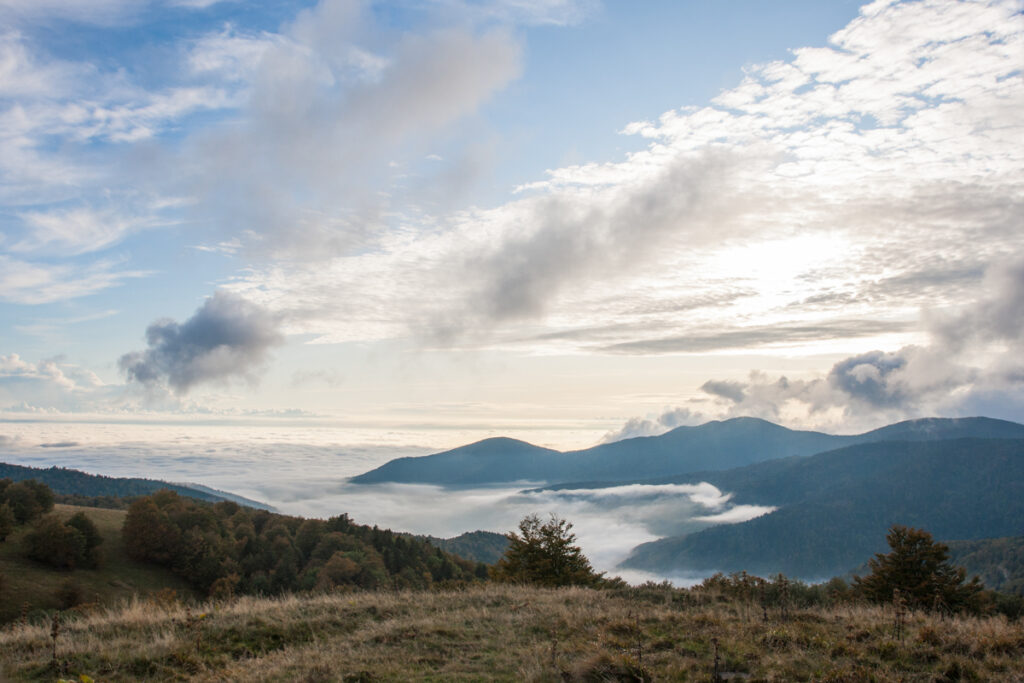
(118, 579)
(837, 506)
(73, 482)
(713, 446)
(512, 633)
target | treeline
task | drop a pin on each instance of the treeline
(225, 548)
(72, 482)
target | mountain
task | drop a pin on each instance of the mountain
(73, 482)
(836, 507)
(490, 460)
(714, 446)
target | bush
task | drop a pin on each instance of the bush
(93, 539)
(55, 543)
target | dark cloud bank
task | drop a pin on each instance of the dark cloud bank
(226, 337)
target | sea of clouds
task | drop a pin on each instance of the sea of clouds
(304, 472)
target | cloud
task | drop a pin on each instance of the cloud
(726, 389)
(308, 167)
(226, 337)
(653, 426)
(831, 194)
(102, 12)
(25, 282)
(74, 231)
(970, 366)
(49, 385)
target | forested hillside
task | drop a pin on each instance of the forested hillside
(70, 482)
(836, 507)
(226, 548)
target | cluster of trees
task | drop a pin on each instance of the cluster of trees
(63, 544)
(22, 502)
(67, 544)
(225, 548)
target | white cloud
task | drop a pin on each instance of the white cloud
(306, 167)
(55, 384)
(838, 187)
(24, 282)
(74, 231)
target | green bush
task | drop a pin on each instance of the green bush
(55, 543)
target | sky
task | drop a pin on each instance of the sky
(564, 220)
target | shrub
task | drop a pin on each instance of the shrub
(55, 543)
(91, 534)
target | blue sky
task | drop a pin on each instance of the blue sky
(520, 216)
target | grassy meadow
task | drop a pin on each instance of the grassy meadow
(508, 633)
(29, 583)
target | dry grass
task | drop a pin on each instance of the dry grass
(508, 633)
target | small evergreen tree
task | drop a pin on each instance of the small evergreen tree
(919, 567)
(545, 553)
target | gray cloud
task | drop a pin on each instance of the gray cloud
(333, 130)
(226, 337)
(726, 389)
(972, 365)
(653, 426)
(562, 241)
(754, 336)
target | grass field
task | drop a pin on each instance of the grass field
(119, 578)
(497, 632)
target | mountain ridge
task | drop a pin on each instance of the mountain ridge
(713, 446)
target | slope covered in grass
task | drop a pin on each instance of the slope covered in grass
(509, 633)
(118, 578)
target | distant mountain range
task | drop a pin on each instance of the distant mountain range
(836, 496)
(713, 446)
(73, 482)
(835, 507)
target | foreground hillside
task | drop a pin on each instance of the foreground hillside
(34, 586)
(511, 633)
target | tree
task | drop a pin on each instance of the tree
(54, 542)
(28, 499)
(545, 554)
(919, 567)
(91, 534)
